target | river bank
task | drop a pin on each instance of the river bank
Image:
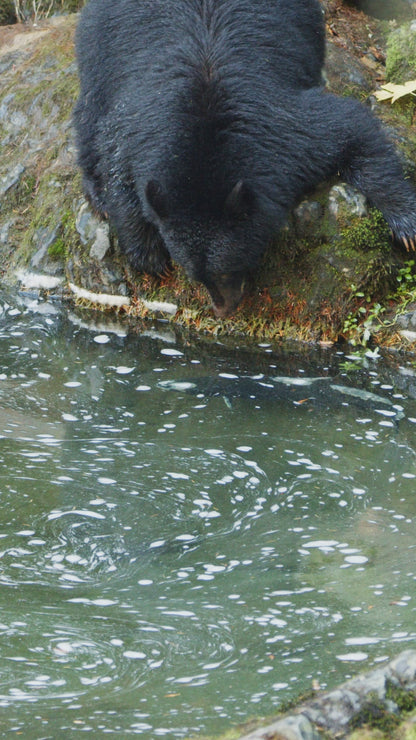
(332, 275)
(378, 705)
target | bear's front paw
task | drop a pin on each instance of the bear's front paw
(157, 263)
(409, 243)
(403, 228)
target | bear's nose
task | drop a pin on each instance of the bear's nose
(226, 295)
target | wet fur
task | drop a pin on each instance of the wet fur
(184, 100)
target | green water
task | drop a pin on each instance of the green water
(187, 538)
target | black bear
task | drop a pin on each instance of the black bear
(201, 123)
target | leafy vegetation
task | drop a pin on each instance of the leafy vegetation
(362, 324)
(7, 12)
(12, 11)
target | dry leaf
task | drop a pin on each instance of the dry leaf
(393, 92)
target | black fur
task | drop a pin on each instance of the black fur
(200, 123)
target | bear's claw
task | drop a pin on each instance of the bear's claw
(409, 243)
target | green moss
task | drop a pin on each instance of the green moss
(64, 94)
(366, 234)
(375, 715)
(58, 249)
(408, 731)
(405, 699)
(20, 196)
(287, 706)
(234, 734)
(42, 219)
(302, 289)
(401, 55)
(367, 733)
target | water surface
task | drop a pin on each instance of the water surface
(192, 533)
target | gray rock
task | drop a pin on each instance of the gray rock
(344, 200)
(86, 224)
(13, 120)
(334, 710)
(407, 320)
(45, 237)
(307, 219)
(290, 728)
(342, 67)
(370, 683)
(10, 179)
(4, 107)
(404, 668)
(41, 260)
(4, 231)
(17, 121)
(101, 243)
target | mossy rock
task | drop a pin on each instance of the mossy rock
(404, 730)
(401, 54)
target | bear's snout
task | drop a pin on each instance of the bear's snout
(226, 292)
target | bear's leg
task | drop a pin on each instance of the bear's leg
(144, 249)
(138, 238)
(381, 179)
(94, 194)
(346, 139)
(88, 157)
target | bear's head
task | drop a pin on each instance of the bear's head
(218, 240)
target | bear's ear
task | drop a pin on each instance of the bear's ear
(156, 198)
(240, 202)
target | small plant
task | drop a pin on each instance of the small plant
(375, 714)
(405, 293)
(407, 282)
(366, 321)
(405, 699)
(359, 327)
